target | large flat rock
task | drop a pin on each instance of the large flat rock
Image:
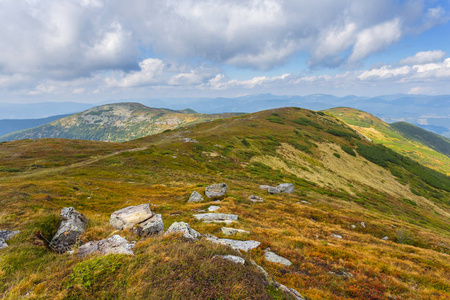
(275, 258)
(216, 217)
(130, 216)
(235, 244)
(114, 245)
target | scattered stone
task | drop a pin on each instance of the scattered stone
(275, 258)
(385, 238)
(285, 188)
(6, 234)
(264, 187)
(195, 197)
(216, 217)
(151, 226)
(233, 258)
(69, 231)
(336, 236)
(254, 198)
(305, 202)
(363, 224)
(3, 244)
(213, 208)
(140, 217)
(233, 231)
(235, 244)
(188, 232)
(200, 210)
(293, 292)
(216, 190)
(188, 140)
(353, 226)
(129, 216)
(272, 190)
(114, 245)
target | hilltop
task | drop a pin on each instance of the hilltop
(114, 123)
(364, 222)
(428, 148)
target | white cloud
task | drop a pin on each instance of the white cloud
(423, 57)
(375, 39)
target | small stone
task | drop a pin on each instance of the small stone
(363, 224)
(286, 188)
(213, 208)
(216, 217)
(216, 190)
(385, 238)
(235, 244)
(336, 236)
(353, 226)
(195, 197)
(272, 190)
(188, 140)
(275, 258)
(183, 227)
(114, 245)
(3, 244)
(233, 231)
(264, 187)
(254, 198)
(305, 202)
(233, 258)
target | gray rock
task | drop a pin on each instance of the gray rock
(272, 190)
(195, 197)
(69, 231)
(6, 234)
(353, 226)
(216, 217)
(336, 236)
(213, 208)
(275, 258)
(305, 202)
(188, 140)
(235, 244)
(3, 244)
(264, 187)
(254, 198)
(385, 238)
(233, 258)
(151, 226)
(363, 224)
(183, 227)
(114, 245)
(216, 190)
(130, 216)
(233, 231)
(294, 293)
(286, 188)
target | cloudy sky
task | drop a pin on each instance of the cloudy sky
(95, 50)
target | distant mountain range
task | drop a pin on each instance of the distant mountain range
(7, 126)
(115, 123)
(429, 112)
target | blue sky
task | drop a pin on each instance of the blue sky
(100, 50)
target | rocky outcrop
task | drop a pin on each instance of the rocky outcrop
(195, 197)
(233, 231)
(275, 258)
(233, 258)
(189, 140)
(140, 218)
(216, 217)
(183, 227)
(114, 245)
(69, 231)
(216, 190)
(235, 244)
(254, 198)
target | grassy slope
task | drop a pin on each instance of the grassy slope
(114, 123)
(319, 154)
(428, 148)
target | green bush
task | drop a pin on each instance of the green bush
(348, 150)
